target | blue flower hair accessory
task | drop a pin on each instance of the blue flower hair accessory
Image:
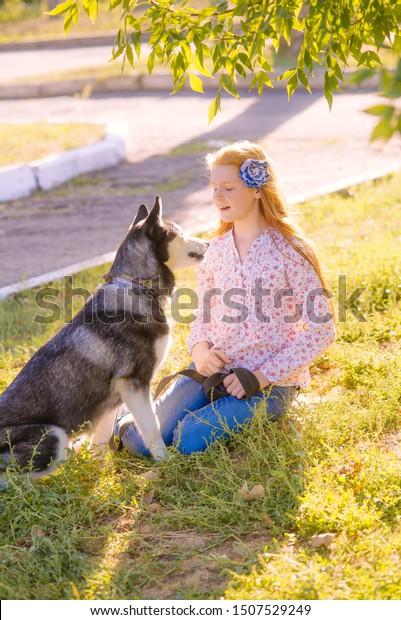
(255, 173)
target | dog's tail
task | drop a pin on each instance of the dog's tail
(33, 448)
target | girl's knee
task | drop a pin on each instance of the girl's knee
(192, 434)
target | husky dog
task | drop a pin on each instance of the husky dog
(107, 355)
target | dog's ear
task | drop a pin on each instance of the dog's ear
(141, 215)
(155, 216)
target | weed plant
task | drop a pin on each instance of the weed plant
(103, 528)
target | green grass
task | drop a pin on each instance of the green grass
(93, 75)
(20, 144)
(21, 21)
(333, 465)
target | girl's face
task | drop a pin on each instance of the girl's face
(233, 199)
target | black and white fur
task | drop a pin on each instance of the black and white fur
(107, 355)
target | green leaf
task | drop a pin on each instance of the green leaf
(158, 50)
(215, 107)
(383, 130)
(195, 83)
(265, 65)
(397, 74)
(241, 8)
(198, 48)
(303, 79)
(341, 51)
(244, 59)
(151, 62)
(199, 67)
(240, 70)
(287, 74)
(218, 29)
(283, 13)
(374, 57)
(292, 85)
(358, 76)
(345, 18)
(91, 9)
(136, 38)
(211, 10)
(133, 22)
(120, 37)
(308, 61)
(298, 26)
(381, 110)
(178, 36)
(130, 55)
(265, 78)
(75, 14)
(369, 59)
(397, 44)
(335, 67)
(70, 18)
(179, 84)
(114, 4)
(67, 23)
(177, 66)
(287, 29)
(390, 85)
(328, 91)
(228, 84)
(221, 62)
(260, 85)
(118, 52)
(61, 8)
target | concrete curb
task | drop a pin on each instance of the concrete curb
(69, 270)
(159, 81)
(46, 278)
(17, 182)
(87, 40)
(21, 181)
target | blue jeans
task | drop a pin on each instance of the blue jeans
(190, 422)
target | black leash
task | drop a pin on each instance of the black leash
(213, 386)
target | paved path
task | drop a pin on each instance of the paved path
(33, 63)
(311, 147)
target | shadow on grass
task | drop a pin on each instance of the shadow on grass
(197, 532)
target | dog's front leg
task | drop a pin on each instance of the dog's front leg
(139, 403)
(104, 429)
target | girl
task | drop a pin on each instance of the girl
(262, 306)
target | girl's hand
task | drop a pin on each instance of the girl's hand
(210, 361)
(234, 387)
(263, 380)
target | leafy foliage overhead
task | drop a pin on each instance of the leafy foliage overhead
(229, 41)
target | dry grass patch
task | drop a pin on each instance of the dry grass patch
(21, 144)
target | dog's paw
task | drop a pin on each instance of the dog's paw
(160, 453)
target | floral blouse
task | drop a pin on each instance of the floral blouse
(268, 313)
